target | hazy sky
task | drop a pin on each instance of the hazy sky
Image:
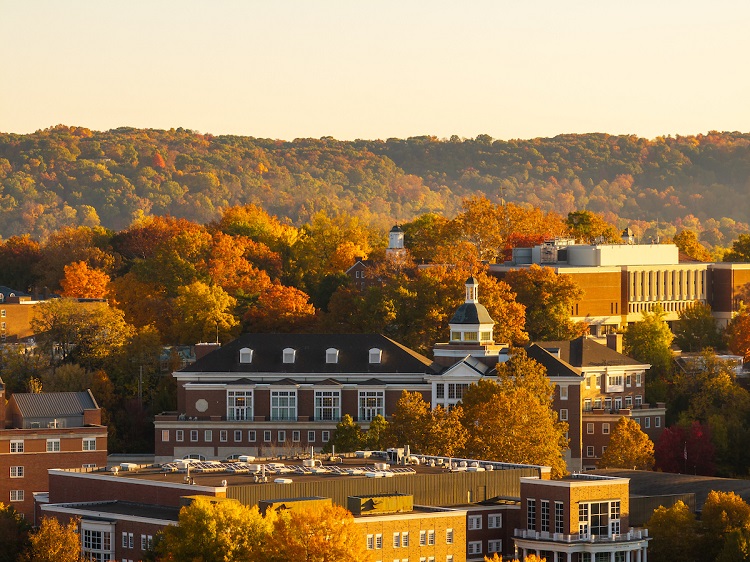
(361, 69)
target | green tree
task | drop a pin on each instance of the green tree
(548, 297)
(54, 542)
(649, 341)
(674, 534)
(696, 329)
(347, 437)
(628, 447)
(376, 433)
(14, 533)
(216, 531)
(322, 535)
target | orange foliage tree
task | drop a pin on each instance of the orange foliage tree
(83, 282)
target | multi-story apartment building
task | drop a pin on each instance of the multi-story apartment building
(596, 385)
(621, 281)
(43, 431)
(581, 518)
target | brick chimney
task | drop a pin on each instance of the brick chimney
(202, 349)
(614, 341)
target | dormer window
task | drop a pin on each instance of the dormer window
(289, 355)
(246, 355)
(375, 355)
(332, 355)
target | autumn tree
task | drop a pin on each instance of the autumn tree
(321, 535)
(696, 329)
(628, 447)
(19, 256)
(215, 531)
(740, 251)
(549, 298)
(738, 333)
(587, 227)
(376, 434)
(280, 309)
(649, 341)
(85, 333)
(722, 514)
(512, 420)
(686, 448)
(687, 242)
(54, 542)
(83, 282)
(674, 534)
(203, 313)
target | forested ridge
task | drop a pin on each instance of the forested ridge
(71, 176)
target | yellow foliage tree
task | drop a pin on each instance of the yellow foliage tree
(628, 447)
(54, 542)
(84, 282)
(324, 535)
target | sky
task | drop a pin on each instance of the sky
(375, 70)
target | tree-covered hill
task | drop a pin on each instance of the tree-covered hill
(69, 176)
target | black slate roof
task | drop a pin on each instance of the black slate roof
(555, 367)
(310, 356)
(471, 313)
(53, 404)
(585, 352)
(7, 292)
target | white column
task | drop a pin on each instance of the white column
(569, 557)
(612, 556)
(645, 554)
(627, 556)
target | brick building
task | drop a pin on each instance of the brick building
(620, 281)
(581, 518)
(43, 431)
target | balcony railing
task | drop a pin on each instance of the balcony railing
(631, 535)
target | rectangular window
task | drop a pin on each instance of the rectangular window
(629, 380)
(638, 401)
(563, 414)
(131, 540)
(531, 515)
(474, 547)
(588, 382)
(16, 472)
(370, 542)
(239, 405)
(599, 518)
(164, 438)
(295, 436)
(193, 435)
(325, 436)
(647, 422)
(208, 435)
(124, 540)
(495, 521)
(311, 437)
(657, 421)
(89, 443)
(223, 435)
(544, 512)
(563, 393)
(637, 420)
(378, 541)
(587, 405)
(143, 542)
(327, 405)
(456, 391)
(53, 445)
(16, 495)
(267, 436)
(449, 536)
(559, 518)
(422, 538)
(281, 436)
(237, 435)
(440, 391)
(607, 403)
(590, 451)
(371, 404)
(283, 405)
(629, 402)
(405, 539)
(494, 546)
(430, 537)
(590, 428)
(251, 435)
(605, 429)
(618, 403)
(16, 446)
(474, 522)
(638, 379)
(179, 435)
(397, 540)
(2, 313)
(598, 379)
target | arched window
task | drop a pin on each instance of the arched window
(289, 355)
(375, 355)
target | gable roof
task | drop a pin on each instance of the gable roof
(555, 367)
(53, 404)
(584, 352)
(310, 356)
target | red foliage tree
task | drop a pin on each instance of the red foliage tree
(686, 449)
